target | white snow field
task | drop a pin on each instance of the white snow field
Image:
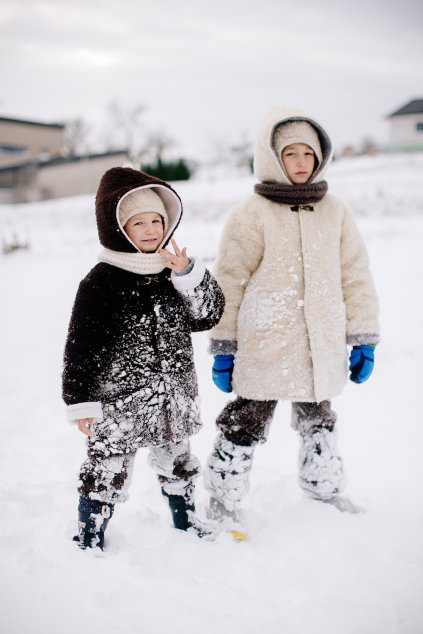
(306, 568)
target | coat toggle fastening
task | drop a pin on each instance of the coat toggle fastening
(302, 208)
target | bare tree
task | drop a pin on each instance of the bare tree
(242, 151)
(220, 150)
(76, 137)
(237, 154)
(127, 123)
(156, 146)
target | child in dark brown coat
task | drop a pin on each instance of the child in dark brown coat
(129, 379)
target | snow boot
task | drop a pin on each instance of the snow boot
(182, 507)
(227, 474)
(93, 517)
(230, 521)
(321, 472)
(219, 513)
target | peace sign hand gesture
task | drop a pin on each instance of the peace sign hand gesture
(177, 261)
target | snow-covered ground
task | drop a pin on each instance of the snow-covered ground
(306, 568)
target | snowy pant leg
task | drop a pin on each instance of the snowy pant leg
(321, 472)
(174, 465)
(106, 473)
(106, 478)
(243, 424)
(310, 417)
(177, 470)
(246, 422)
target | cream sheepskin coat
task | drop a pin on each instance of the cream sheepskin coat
(297, 287)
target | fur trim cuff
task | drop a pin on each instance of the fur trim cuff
(192, 279)
(84, 410)
(222, 346)
(358, 340)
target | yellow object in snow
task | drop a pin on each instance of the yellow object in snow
(238, 535)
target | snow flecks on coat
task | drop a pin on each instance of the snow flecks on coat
(297, 287)
(199, 304)
(133, 353)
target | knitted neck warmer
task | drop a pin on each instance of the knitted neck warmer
(141, 263)
(292, 194)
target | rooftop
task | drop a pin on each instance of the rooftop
(412, 107)
(61, 160)
(33, 123)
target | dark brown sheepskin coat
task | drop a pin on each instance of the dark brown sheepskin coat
(129, 341)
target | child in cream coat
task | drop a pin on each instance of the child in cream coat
(294, 271)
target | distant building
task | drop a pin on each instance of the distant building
(32, 165)
(58, 177)
(23, 140)
(406, 127)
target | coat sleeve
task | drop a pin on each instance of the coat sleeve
(239, 256)
(84, 347)
(358, 288)
(202, 296)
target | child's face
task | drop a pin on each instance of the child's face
(298, 160)
(145, 230)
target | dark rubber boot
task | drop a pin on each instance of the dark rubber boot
(182, 508)
(93, 517)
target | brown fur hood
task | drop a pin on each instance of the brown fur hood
(115, 184)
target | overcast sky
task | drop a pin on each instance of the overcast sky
(208, 71)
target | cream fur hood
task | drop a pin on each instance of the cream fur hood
(297, 287)
(268, 164)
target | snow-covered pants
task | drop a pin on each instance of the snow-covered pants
(243, 424)
(310, 417)
(320, 468)
(105, 476)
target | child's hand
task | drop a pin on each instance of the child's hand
(223, 368)
(178, 261)
(362, 360)
(84, 425)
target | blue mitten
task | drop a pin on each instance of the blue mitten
(361, 363)
(222, 371)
